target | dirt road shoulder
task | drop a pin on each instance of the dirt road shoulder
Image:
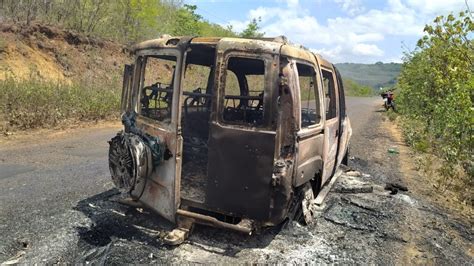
(438, 229)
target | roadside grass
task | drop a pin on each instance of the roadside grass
(39, 104)
(429, 163)
(392, 115)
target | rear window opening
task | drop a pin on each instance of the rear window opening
(156, 95)
(244, 92)
(309, 96)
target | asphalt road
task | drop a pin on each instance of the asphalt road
(52, 207)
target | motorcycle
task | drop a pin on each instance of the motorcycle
(389, 101)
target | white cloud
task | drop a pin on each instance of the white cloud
(237, 25)
(352, 7)
(290, 3)
(335, 53)
(438, 7)
(384, 22)
(367, 50)
(356, 37)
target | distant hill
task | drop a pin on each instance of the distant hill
(374, 75)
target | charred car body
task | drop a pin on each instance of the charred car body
(229, 132)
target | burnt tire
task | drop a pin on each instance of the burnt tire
(130, 159)
(300, 209)
(121, 163)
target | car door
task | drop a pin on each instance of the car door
(310, 138)
(331, 126)
(156, 99)
(242, 134)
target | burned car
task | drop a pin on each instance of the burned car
(228, 132)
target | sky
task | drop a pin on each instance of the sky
(356, 31)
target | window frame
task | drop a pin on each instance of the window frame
(304, 132)
(267, 60)
(317, 91)
(335, 91)
(143, 56)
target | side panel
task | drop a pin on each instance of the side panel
(239, 171)
(310, 161)
(344, 139)
(330, 148)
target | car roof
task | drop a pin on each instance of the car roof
(267, 44)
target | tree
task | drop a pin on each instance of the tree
(187, 21)
(123, 20)
(436, 92)
(252, 30)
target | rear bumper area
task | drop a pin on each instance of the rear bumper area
(244, 226)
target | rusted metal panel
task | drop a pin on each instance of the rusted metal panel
(243, 227)
(159, 191)
(344, 141)
(206, 40)
(239, 171)
(257, 47)
(240, 158)
(151, 44)
(323, 62)
(330, 148)
(297, 53)
(310, 161)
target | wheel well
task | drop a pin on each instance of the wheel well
(316, 183)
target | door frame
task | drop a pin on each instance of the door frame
(345, 130)
(331, 131)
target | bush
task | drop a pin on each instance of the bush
(436, 93)
(353, 88)
(33, 104)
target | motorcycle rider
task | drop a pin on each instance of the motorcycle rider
(388, 98)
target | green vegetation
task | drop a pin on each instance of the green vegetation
(187, 22)
(33, 103)
(373, 75)
(352, 88)
(436, 96)
(123, 20)
(252, 30)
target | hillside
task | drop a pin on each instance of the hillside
(71, 76)
(374, 75)
(50, 54)
(54, 77)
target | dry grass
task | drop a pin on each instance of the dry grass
(38, 104)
